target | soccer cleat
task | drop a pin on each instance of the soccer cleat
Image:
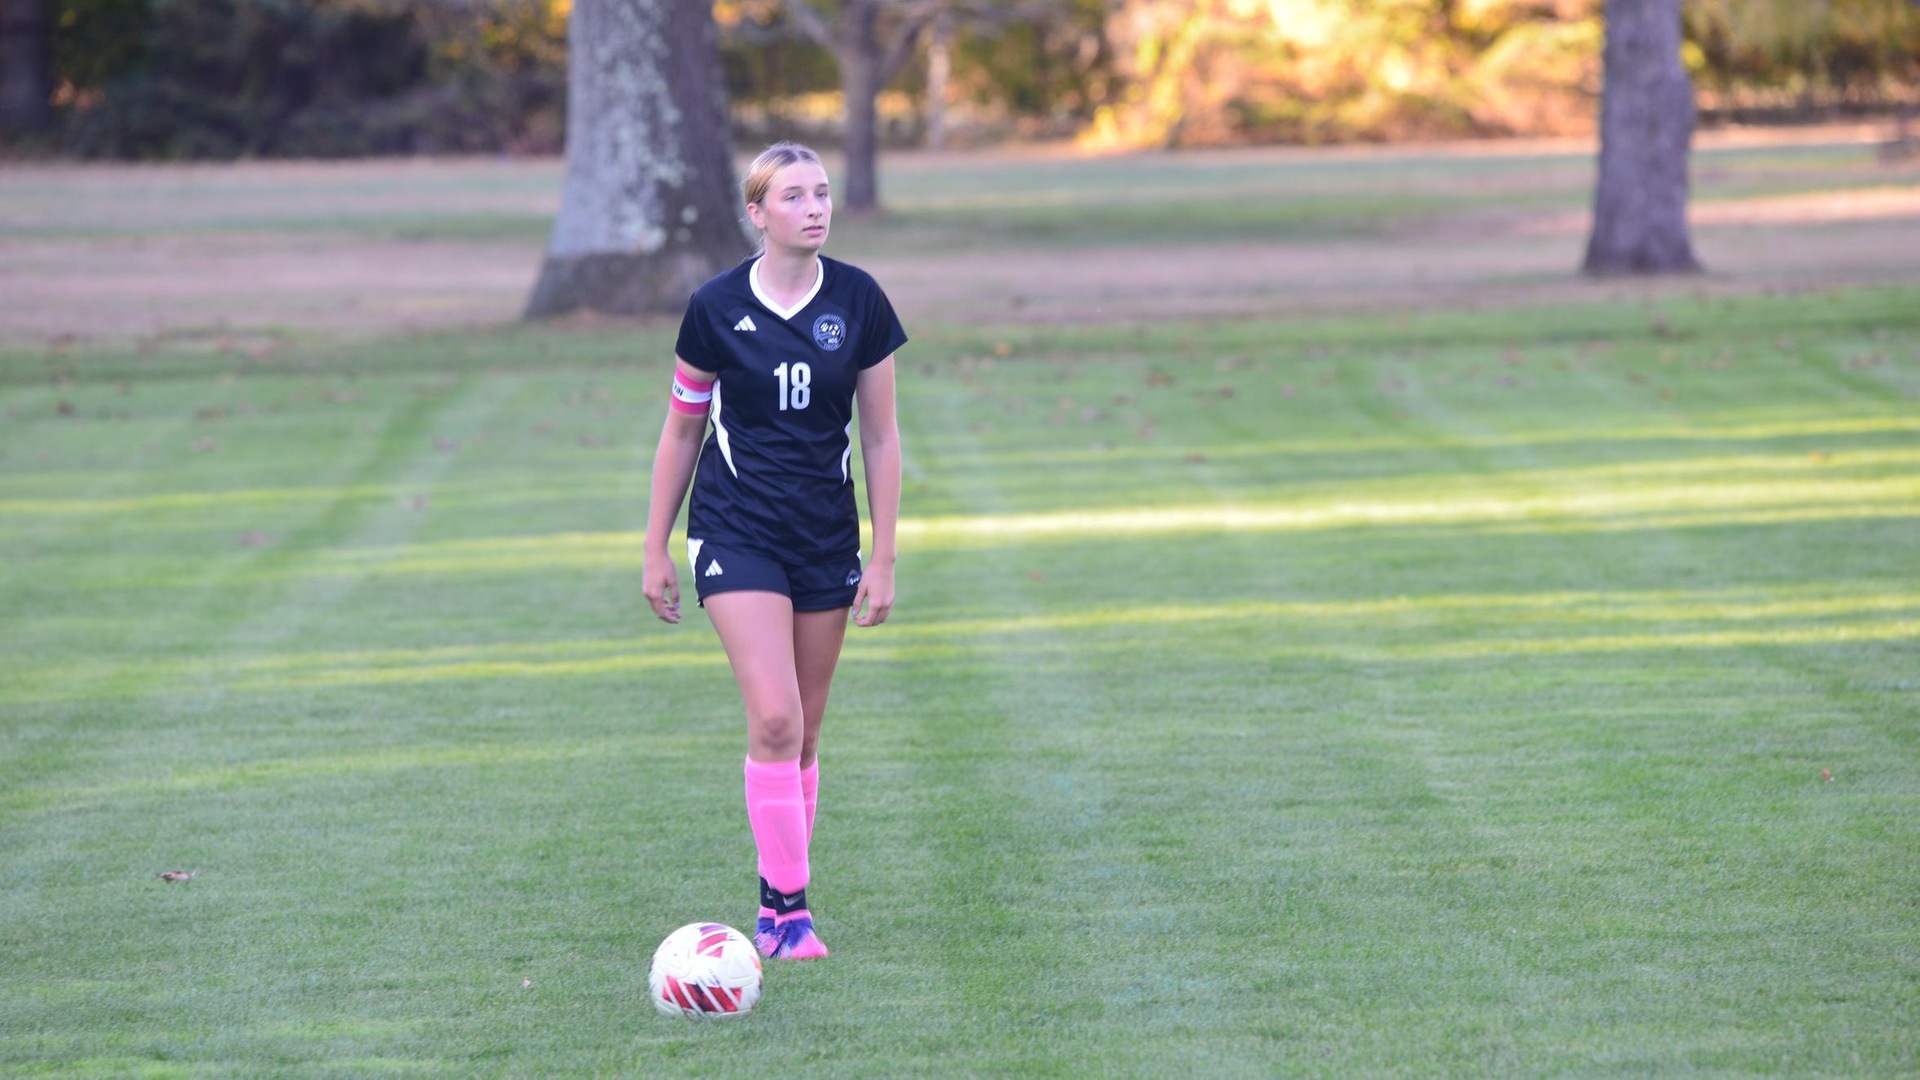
(766, 937)
(795, 940)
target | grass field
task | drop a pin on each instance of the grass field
(1525, 691)
(356, 249)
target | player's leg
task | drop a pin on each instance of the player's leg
(817, 638)
(757, 630)
(816, 647)
(821, 594)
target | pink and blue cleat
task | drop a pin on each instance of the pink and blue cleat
(788, 938)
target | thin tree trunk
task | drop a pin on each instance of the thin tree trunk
(25, 73)
(866, 64)
(859, 57)
(939, 71)
(649, 210)
(1646, 130)
(1906, 142)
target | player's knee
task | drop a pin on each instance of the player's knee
(777, 731)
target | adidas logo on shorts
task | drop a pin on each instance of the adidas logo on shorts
(713, 569)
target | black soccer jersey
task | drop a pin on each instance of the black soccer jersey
(775, 472)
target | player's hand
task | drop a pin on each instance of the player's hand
(661, 586)
(874, 599)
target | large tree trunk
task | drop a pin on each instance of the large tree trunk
(25, 82)
(1646, 129)
(649, 210)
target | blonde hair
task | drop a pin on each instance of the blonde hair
(772, 160)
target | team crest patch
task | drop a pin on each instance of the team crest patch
(829, 332)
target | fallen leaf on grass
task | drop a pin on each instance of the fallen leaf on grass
(1827, 775)
(171, 876)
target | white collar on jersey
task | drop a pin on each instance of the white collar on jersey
(753, 279)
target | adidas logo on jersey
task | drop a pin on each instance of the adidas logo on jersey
(713, 569)
(745, 323)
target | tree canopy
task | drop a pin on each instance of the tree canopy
(222, 78)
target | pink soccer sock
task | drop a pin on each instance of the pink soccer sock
(810, 791)
(777, 811)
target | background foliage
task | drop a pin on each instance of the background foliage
(1756, 56)
(325, 78)
(228, 78)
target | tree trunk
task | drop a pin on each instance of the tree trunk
(1646, 128)
(867, 61)
(860, 61)
(1906, 141)
(25, 83)
(649, 210)
(939, 71)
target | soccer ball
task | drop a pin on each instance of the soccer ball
(707, 971)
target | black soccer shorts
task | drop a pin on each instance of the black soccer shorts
(812, 587)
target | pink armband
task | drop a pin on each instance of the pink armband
(691, 396)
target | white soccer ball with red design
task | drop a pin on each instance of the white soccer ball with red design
(706, 971)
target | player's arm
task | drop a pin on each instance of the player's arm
(880, 462)
(673, 464)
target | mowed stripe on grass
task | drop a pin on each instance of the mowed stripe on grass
(1258, 702)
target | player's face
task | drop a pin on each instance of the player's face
(797, 208)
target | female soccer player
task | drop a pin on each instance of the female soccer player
(772, 357)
